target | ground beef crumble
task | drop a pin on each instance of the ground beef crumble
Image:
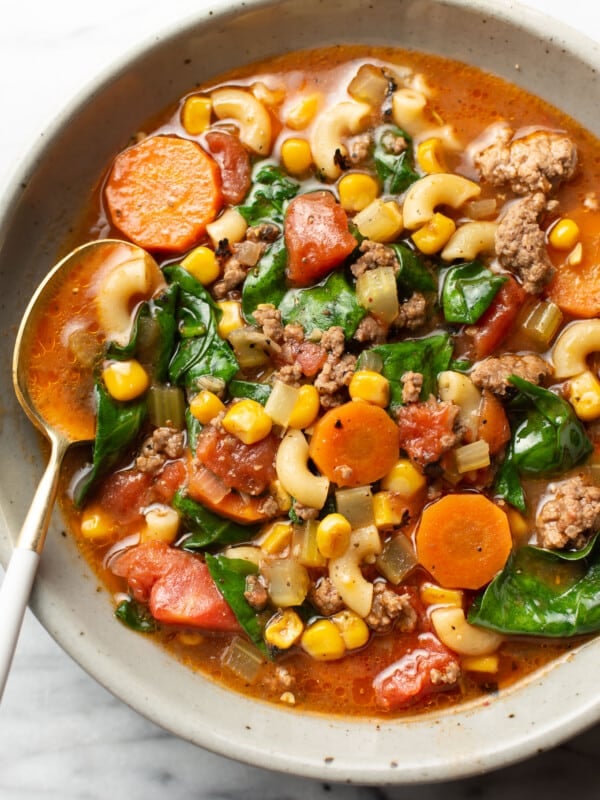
(412, 383)
(493, 373)
(325, 597)
(389, 610)
(164, 443)
(570, 515)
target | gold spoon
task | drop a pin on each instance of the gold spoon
(61, 433)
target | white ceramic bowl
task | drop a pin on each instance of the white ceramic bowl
(35, 214)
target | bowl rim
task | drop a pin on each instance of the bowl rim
(527, 740)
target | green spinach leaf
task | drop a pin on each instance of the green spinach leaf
(206, 527)
(200, 351)
(265, 283)
(542, 593)
(508, 483)
(230, 576)
(270, 191)
(117, 425)
(413, 274)
(468, 291)
(331, 302)
(395, 170)
(429, 356)
(136, 616)
(255, 391)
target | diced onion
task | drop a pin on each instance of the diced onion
(281, 402)
(543, 321)
(369, 85)
(287, 581)
(244, 552)
(118, 547)
(356, 505)
(472, 456)
(396, 559)
(370, 360)
(251, 347)
(243, 659)
(480, 209)
(376, 291)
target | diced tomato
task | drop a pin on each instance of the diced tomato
(124, 494)
(244, 509)
(316, 236)
(168, 481)
(496, 324)
(427, 430)
(248, 468)
(176, 585)
(493, 426)
(309, 356)
(425, 668)
(234, 163)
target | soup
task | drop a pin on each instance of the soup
(345, 397)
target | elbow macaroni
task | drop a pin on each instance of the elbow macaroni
(470, 240)
(250, 114)
(460, 636)
(292, 470)
(345, 572)
(330, 130)
(574, 345)
(454, 387)
(442, 188)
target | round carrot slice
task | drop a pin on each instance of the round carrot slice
(355, 444)
(163, 192)
(463, 540)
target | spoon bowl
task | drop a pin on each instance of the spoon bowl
(20, 573)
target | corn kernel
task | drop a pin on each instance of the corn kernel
(284, 629)
(231, 317)
(333, 535)
(303, 112)
(481, 663)
(306, 408)
(519, 526)
(353, 628)
(247, 420)
(278, 537)
(430, 156)
(125, 380)
(357, 191)
(202, 263)
(370, 386)
(433, 595)
(323, 641)
(296, 156)
(96, 523)
(434, 234)
(404, 479)
(584, 396)
(195, 115)
(387, 510)
(205, 406)
(564, 235)
(380, 221)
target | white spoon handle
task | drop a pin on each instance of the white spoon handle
(14, 596)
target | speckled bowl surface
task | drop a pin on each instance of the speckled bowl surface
(35, 215)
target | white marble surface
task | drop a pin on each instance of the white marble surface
(62, 736)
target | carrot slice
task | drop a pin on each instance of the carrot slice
(162, 193)
(493, 426)
(463, 540)
(355, 443)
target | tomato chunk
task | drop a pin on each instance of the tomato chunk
(176, 585)
(124, 494)
(496, 324)
(248, 468)
(234, 163)
(316, 236)
(426, 668)
(427, 430)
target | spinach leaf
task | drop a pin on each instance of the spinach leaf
(508, 483)
(117, 425)
(200, 351)
(136, 616)
(255, 391)
(541, 593)
(230, 576)
(468, 291)
(413, 274)
(193, 427)
(551, 439)
(270, 191)
(395, 170)
(206, 527)
(429, 356)
(331, 302)
(265, 283)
